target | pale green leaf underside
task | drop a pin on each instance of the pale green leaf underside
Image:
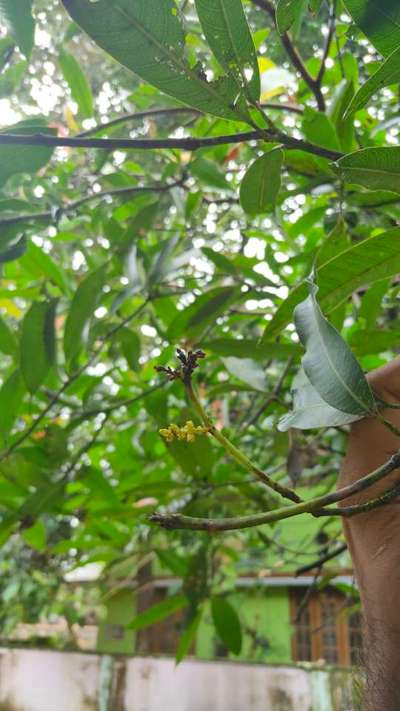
(379, 20)
(329, 363)
(227, 33)
(146, 36)
(374, 168)
(310, 410)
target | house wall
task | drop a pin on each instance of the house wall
(33, 680)
(120, 610)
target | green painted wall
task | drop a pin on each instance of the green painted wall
(267, 611)
(120, 609)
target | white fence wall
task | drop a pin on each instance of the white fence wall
(33, 680)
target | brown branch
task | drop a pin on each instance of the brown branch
(188, 144)
(328, 42)
(293, 54)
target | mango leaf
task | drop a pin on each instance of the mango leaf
(329, 363)
(248, 371)
(371, 260)
(11, 395)
(19, 20)
(15, 250)
(83, 305)
(227, 624)
(373, 341)
(8, 342)
(38, 343)
(388, 73)
(158, 612)
(11, 78)
(261, 183)
(205, 309)
(39, 263)
(209, 174)
(36, 536)
(27, 159)
(130, 346)
(187, 638)
(227, 33)
(310, 410)
(77, 82)
(375, 168)
(147, 37)
(380, 22)
(287, 12)
(319, 129)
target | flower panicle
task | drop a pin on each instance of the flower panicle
(187, 433)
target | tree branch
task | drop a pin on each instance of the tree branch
(75, 204)
(179, 521)
(188, 144)
(293, 54)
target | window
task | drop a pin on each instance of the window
(323, 628)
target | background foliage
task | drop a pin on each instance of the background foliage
(269, 147)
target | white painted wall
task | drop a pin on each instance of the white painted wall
(33, 680)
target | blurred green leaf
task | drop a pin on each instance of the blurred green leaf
(227, 624)
(83, 306)
(77, 82)
(38, 343)
(260, 185)
(158, 612)
(17, 14)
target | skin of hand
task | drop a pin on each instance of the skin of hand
(374, 543)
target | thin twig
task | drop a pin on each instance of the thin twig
(313, 506)
(320, 562)
(293, 54)
(328, 42)
(76, 204)
(72, 378)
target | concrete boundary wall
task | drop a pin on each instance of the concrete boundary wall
(33, 680)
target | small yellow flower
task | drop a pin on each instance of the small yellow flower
(187, 433)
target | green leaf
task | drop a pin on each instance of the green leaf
(77, 82)
(39, 263)
(388, 73)
(147, 37)
(373, 341)
(11, 395)
(17, 14)
(158, 612)
(204, 310)
(310, 410)
(248, 371)
(27, 159)
(261, 183)
(227, 33)
(11, 78)
(319, 129)
(371, 260)
(83, 305)
(187, 638)
(36, 536)
(328, 362)
(15, 251)
(130, 346)
(8, 342)
(287, 12)
(379, 20)
(227, 624)
(375, 168)
(38, 343)
(209, 174)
